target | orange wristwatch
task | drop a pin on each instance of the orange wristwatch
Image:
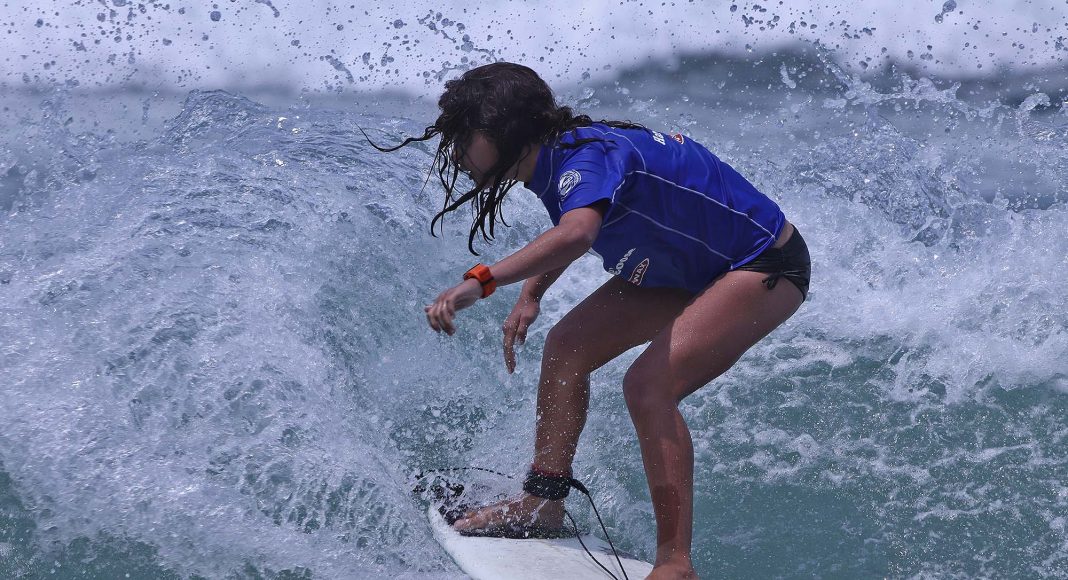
(482, 274)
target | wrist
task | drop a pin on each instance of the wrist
(530, 295)
(483, 277)
(472, 285)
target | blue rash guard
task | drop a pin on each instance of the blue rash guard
(677, 216)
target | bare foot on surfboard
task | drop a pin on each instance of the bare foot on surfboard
(525, 512)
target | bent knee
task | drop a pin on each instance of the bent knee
(644, 389)
(562, 340)
(567, 347)
(648, 387)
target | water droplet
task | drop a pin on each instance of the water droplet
(216, 15)
(948, 7)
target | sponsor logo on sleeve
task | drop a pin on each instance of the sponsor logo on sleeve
(568, 181)
(658, 137)
(638, 274)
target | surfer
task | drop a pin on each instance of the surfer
(697, 255)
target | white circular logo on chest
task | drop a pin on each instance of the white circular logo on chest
(568, 181)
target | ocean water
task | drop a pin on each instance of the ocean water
(214, 361)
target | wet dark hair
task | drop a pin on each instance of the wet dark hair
(513, 107)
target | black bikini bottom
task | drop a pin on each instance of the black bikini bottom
(791, 261)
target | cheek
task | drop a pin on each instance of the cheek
(482, 154)
(482, 161)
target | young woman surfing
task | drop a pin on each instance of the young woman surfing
(696, 254)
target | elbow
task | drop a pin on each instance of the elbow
(585, 240)
(579, 229)
(579, 241)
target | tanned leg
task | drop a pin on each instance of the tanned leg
(706, 338)
(615, 318)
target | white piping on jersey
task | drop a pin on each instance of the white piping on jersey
(644, 171)
(621, 215)
(621, 182)
(713, 200)
(629, 210)
(645, 165)
(552, 153)
(673, 230)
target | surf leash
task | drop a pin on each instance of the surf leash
(541, 483)
(582, 488)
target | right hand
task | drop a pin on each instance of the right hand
(515, 327)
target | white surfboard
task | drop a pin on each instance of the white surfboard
(533, 559)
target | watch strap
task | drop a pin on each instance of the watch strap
(482, 273)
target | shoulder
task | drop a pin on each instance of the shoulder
(599, 132)
(597, 141)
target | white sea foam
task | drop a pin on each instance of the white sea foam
(363, 46)
(225, 359)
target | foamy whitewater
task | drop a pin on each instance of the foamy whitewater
(213, 356)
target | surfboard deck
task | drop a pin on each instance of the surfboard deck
(532, 559)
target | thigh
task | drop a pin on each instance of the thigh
(613, 319)
(712, 332)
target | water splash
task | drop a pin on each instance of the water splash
(214, 358)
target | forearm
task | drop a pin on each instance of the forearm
(550, 252)
(536, 286)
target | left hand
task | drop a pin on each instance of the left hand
(440, 313)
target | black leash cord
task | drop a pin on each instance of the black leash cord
(582, 488)
(586, 492)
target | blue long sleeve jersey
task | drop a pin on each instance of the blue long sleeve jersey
(677, 216)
